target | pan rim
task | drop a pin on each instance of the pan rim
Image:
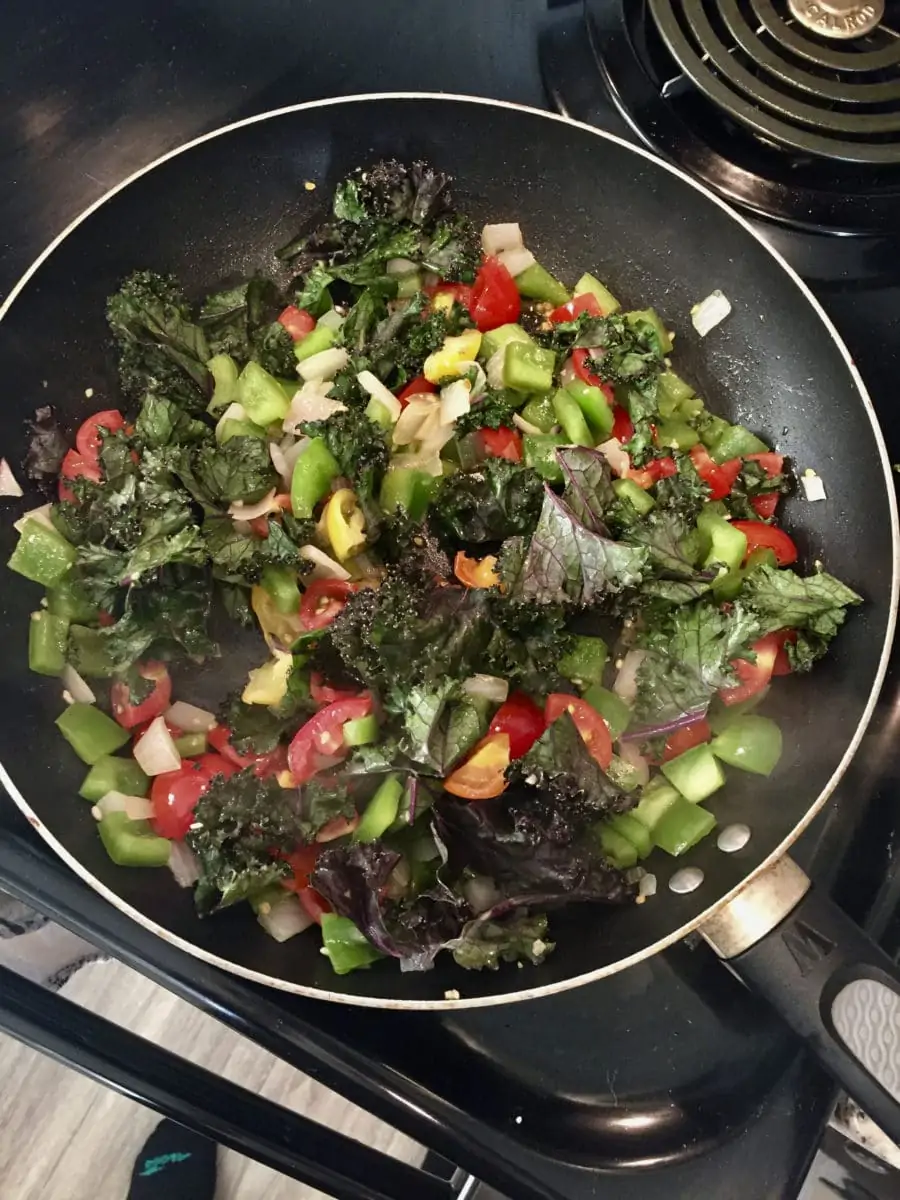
(539, 991)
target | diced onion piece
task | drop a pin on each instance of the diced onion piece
(517, 259)
(813, 487)
(495, 368)
(184, 865)
(625, 685)
(647, 885)
(455, 400)
(155, 752)
(9, 485)
(331, 320)
(41, 514)
(234, 412)
(279, 462)
(311, 403)
(616, 457)
(474, 373)
(136, 808)
(429, 463)
(710, 312)
(259, 508)
(291, 451)
(489, 687)
(481, 893)
(401, 266)
(324, 365)
(413, 417)
(373, 387)
(78, 688)
(284, 919)
(567, 374)
(497, 238)
(190, 718)
(630, 754)
(323, 566)
(525, 426)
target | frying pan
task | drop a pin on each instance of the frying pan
(215, 210)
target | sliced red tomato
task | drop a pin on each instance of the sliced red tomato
(495, 297)
(320, 742)
(655, 470)
(315, 905)
(482, 775)
(768, 537)
(337, 827)
(765, 505)
(501, 443)
(129, 714)
(753, 676)
(271, 763)
(586, 303)
(174, 795)
(301, 861)
(297, 321)
(521, 720)
(687, 738)
(322, 601)
(476, 572)
(782, 662)
(219, 737)
(419, 386)
(215, 764)
(259, 526)
(75, 466)
(323, 693)
(88, 438)
(593, 729)
(623, 426)
(461, 292)
(771, 463)
(718, 477)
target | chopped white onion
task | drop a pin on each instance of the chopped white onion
(813, 487)
(647, 885)
(497, 238)
(710, 312)
(183, 864)
(567, 374)
(284, 919)
(190, 718)
(291, 451)
(41, 515)
(401, 266)
(429, 463)
(455, 400)
(9, 485)
(324, 365)
(155, 752)
(323, 566)
(614, 454)
(517, 259)
(234, 412)
(77, 687)
(474, 373)
(279, 462)
(489, 687)
(630, 754)
(525, 426)
(331, 320)
(625, 685)
(413, 417)
(495, 368)
(311, 403)
(481, 893)
(373, 387)
(136, 808)
(259, 508)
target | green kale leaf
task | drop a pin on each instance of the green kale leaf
(494, 501)
(815, 606)
(241, 469)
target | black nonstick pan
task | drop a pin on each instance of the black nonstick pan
(217, 209)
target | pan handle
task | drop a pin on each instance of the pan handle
(835, 988)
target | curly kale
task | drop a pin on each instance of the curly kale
(361, 450)
(494, 408)
(528, 642)
(494, 501)
(454, 251)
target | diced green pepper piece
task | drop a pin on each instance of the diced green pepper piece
(539, 451)
(233, 427)
(314, 470)
(571, 418)
(751, 743)
(42, 554)
(89, 650)
(318, 339)
(639, 498)
(658, 797)
(634, 832)
(595, 406)
(527, 367)
(727, 586)
(623, 774)
(723, 716)
(90, 732)
(590, 285)
(682, 826)
(585, 662)
(70, 600)
(671, 391)
(736, 442)
(612, 708)
(696, 773)
(261, 395)
(281, 584)
(361, 731)
(224, 371)
(190, 745)
(539, 411)
(381, 811)
(727, 544)
(344, 945)
(409, 489)
(617, 848)
(497, 339)
(133, 843)
(380, 413)
(713, 428)
(538, 284)
(650, 317)
(409, 284)
(676, 434)
(48, 636)
(110, 774)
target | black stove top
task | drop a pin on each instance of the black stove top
(670, 1079)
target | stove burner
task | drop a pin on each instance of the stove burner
(788, 86)
(837, 18)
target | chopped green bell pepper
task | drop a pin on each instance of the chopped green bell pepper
(590, 285)
(361, 731)
(649, 317)
(656, 800)
(727, 544)
(261, 395)
(571, 418)
(409, 489)
(314, 470)
(90, 732)
(595, 406)
(676, 434)
(617, 848)
(639, 498)
(751, 743)
(381, 811)
(281, 584)
(318, 339)
(539, 452)
(70, 600)
(497, 339)
(636, 833)
(538, 284)
(133, 843)
(379, 413)
(713, 428)
(539, 411)
(612, 708)
(90, 652)
(585, 662)
(233, 427)
(682, 826)
(224, 371)
(190, 745)
(344, 945)
(110, 774)
(48, 636)
(671, 392)
(42, 554)
(527, 367)
(696, 773)
(736, 442)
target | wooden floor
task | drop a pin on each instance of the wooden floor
(63, 1137)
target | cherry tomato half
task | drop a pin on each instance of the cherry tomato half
(297, 321)
(322, 601)
(623, 426)
(501, 443)
(753, 676)
(315, 905)
(420, 386)
(219, 737)
(771, 463)
(782, 662)
(593, 729)
(460, 292)
(768, 537)
(687, 738)
(174, 795)
(323, 693)
(482, 775)
(476, 572)
(718, 477)
(521, 720)
(587, 302)
(155, 704)
(301, 861)
(75, 466)
(495, 297)
(765, 505)
(88, 439)
(320, 742)
(655, 470)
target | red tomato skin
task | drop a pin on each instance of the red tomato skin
(768, 537)
(315, 905)
(687, 738)
(129, 715)
(461, 292)
(323, 693)
(174, 797)
(771, 463)
(75, 466)
(495, 297)
(87, 439)
(590, 724)
(297, 321)
(719, 477)
(782, 664)
(321, 737)
(502, 443)
(754, 677)
(419, 386)
(521, 720)
(623, 427)
(587, 302)
(301, 861)
(314, 614)
(765, 505)
(219, 737)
